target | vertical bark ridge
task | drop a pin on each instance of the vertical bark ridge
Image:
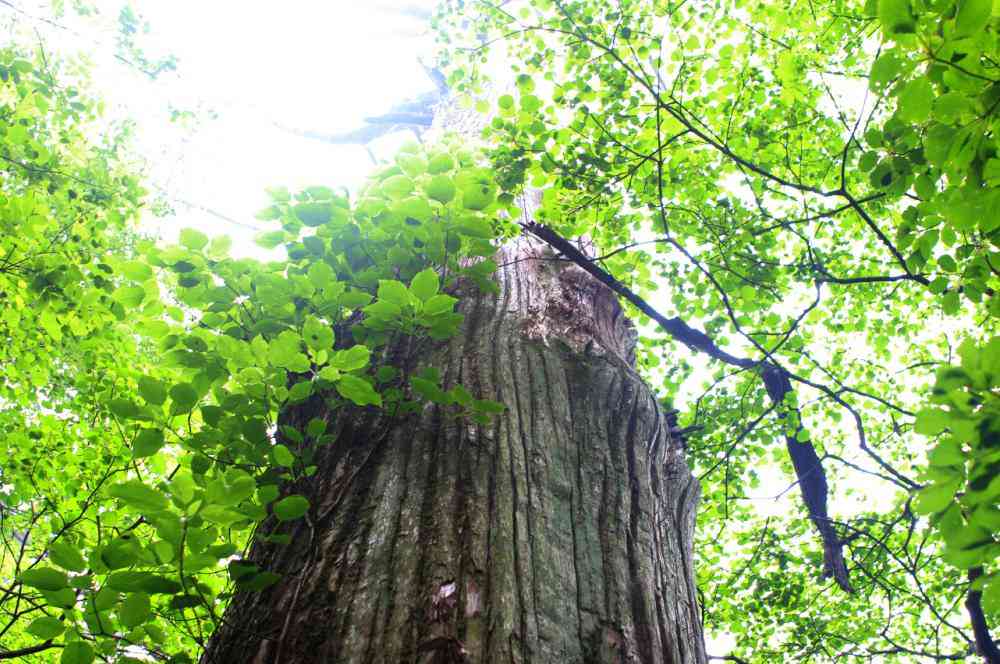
(560, 532)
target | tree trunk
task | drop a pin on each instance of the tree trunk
(560, 532)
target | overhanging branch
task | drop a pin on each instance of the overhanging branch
(807, 464)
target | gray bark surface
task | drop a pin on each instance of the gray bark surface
(559, 533)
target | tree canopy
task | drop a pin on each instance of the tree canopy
(798, 203)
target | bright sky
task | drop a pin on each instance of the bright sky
(317, 66)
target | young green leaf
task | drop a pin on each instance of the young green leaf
(351, 359)
(317, 334)
(139, 496)
(44, 578)
(425, 284)
(390, 290)
(193, 239)
(77, 652)
(358, 390)
(282, 456)
(67, 556)
(46, 627)
(135, 610)
(291, 507)
(147, 443)
(152, 390)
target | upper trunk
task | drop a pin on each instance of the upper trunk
(560, 532)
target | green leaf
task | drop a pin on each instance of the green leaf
(300, 391)
(440, 188)
(44, 578)
(950, 106)
(291, 507)
(158, 585)
(397, 187)
(270, 239)
(316, 427)
(934, 498)
(439, 304)
(136, 581)
(317, 334)
(46, 627)
(67, 556)
(130, 296)
(383, 310)
(440, 163)
(991, 596)
(219, 246)
(351, 359)
(192, 239)
(358, 390)
(152, 390)
(951, 303)
(896, 16)
(425, 284)
(232, 488)
(286, 351)
(477, 196)
(429, 390)
(282, 456)
(223, 516)
(460, 395)
(77, 652)
(411, 164)
(475, 226)
(415, 209)
(139, 496)
(355, 299)
(393, 291)
(972, 17)
(258, 582)
(123, 408)
(183, 398)
(915, 101)
(314, 213)
(885, 68)
(137, 271)
(147, 443)
(63, 599)
(931, 421)
(135, 609)
(329, 373)
(321, 275)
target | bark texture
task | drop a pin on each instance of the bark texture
(559, 533)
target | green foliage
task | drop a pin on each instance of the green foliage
(963, 472)
(143, 385)
(814, 185)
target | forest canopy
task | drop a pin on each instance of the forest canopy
(797, 204)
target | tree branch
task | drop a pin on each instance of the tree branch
(808, 466)
(985, 644)
(30, 650)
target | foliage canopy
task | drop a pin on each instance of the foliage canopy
(800, 202)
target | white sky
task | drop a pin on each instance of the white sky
(318, 66)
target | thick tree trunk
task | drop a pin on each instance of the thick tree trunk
(561, 532)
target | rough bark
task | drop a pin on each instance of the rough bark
(561, 532)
